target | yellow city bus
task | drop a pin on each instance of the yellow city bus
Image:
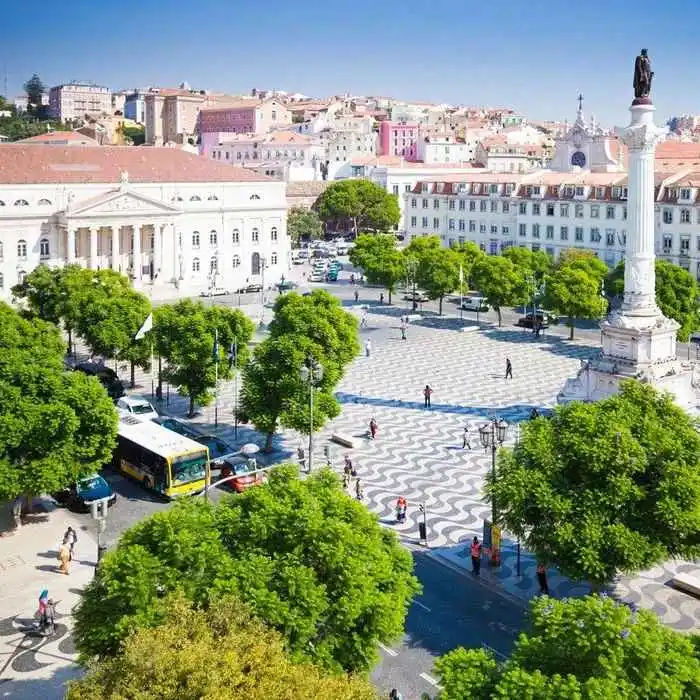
(161, 460)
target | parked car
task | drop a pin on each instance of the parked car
(255, 287)
(106, 376)
(335, 264)
(136, 406)
(317, 277)
(332, 275)
(475, 304)
(544, 319)
(90, 488)
(418, 296)
(303, 254)
(215, 292)
(286, 285)
(241, 467)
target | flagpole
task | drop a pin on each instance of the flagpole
(153, 391)
(461, 280)
(235, 388)
(216, 377)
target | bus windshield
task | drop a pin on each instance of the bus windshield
(188, 468)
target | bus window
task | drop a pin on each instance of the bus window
(188, 468)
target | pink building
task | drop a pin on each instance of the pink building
(397, 138)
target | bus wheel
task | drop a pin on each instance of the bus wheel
(148, 482)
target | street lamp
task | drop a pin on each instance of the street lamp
(493, 435)
(411, 267)
(311, 372)
(263, 265)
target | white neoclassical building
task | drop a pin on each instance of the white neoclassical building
(175, 222)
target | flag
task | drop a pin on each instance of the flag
(232, 352)
(215, 349)
(147, 326)
(461, 275)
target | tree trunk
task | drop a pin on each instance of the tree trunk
(389, 290)
(571, 329)
(268, 442)
(133, 374)
(191, 411)
(440, 306)
(70, 340)
(160, 377)
(498, 311)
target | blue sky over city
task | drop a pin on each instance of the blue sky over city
(533, 56)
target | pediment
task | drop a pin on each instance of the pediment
(120, 202)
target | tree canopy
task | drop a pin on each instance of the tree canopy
(184, 335)
(303, 224)
(35, 90)
(531, 263)
(676, 293)
(590, 648)
(604, 487)
(380, 260)
(56, 426)
(216, 653)
(500, 281)
(585, 260)
(437, 267)
(309, 561)
(358, 205)
(575, 293)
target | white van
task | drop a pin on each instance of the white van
(475, 304)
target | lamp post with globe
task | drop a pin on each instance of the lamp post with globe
(311, 372)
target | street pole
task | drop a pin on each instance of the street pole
(311, 416)
(216, 377)
(493, 471)
(235, 388)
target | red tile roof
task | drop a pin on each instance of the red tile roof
(36, 164)
(60, 137)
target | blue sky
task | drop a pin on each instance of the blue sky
(532, 55)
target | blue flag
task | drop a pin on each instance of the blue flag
(215, 349)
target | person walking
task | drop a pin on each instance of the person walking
(357, 296)
(381, 297)
(509, 369)
(542, 578)
(373, 428)
(368, 348)
(363, 320)
(475, 551)
(359, 493)
(64, 558)
(427, 392)
(70, 538)
(403, 330)
(395, 695)
(466, 443)
(301, 457)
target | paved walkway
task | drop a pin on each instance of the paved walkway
(32, 666)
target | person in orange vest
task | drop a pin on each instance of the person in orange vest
(542, 578)
(400, 509)
(475, 551)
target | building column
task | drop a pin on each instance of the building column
(70, 245)
(116, 233)
(93, 248)
(136, 253)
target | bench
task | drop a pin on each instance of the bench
(686, 582)
(344, 440)
(468, 329)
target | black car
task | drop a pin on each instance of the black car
(253, 288)
(106, 376)
(543, 319)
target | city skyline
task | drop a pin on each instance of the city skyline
(402, 53)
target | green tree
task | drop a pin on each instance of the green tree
(604, 487)
(469, 253)
(437, 270)
(534, 264)
(589, 648)
(303, 224)
(222, 652)
(309, 560)
(575, 293)
(500, 282)
(380, 260)
(585, 260)
(184, 334)
(676, 293)
(35, 90)
(134, 134)
(358, 205)
(55, 426)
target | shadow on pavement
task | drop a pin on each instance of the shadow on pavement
(553, 343)
(52, 687)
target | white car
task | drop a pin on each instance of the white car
(138, 407)
(215, 292)
(317, 277)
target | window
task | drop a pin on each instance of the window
(413, 221)
(610, 212)
(494, 206)
(254, 196)
(609, 236)
(273, 258)
(462, 205)
(212, 237)
(494, 228)
(451, 204)
(523, 207)
(550, 210)
(195, 198)
(461, 225)
(624, 213)
(451, 224)
(22, 250)
(236, 261)
(414, 202)
(44, 202)
(212, 198)
(472, 226)
(506, 207)
(668, 243)
(236, 236)
(176, 198)
(21, 275)
(407, 188)
(213, 265)
(21, 203)
(395, 190)
(436, 223)
(273, 233)
(549, 232)
(595, 235)
(436, 203)
(195, 239)
(668, 216)
(578, 233)
(685, 245)
(579, 191)
(255, 235)
(564, 233)
(595, 211)
(685, 216)
(535, 230)
(482, 205)
(685, 194)
(535, 247)
(563, 210)
(195, 265)
(44, 247)
(482, 228)
(472, 205)
(2, 280)
(522, 230)
(578, 211)
(535, 209)
(425, 203)
(424, 187)
(424, 222)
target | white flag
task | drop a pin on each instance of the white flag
(461, 275)
(147, 326)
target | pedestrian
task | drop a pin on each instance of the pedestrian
(426, 396)
(70, 538)
(368, 348)
(301, 456)
(534, 414)
(542, 578)
(475, 551)
(346, 480)
(465, 438)
(400, 509)
(509, 368)
(43, 599)
(381, 297)
(64, 558)
(373, 428)
(47, 621)
(359, 494)
(395, 695)
(403, 331)
(347, 468)
(357, 296)
(363, 320)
